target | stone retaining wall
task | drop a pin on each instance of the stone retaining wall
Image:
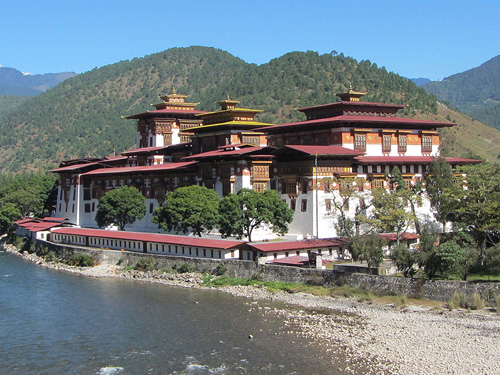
(421, 288)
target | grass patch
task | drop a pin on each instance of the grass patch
(481, 277)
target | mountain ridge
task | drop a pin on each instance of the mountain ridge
(15, 82)
(475, 92)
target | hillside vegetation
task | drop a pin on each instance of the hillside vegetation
(9, 102)
(475, 92)
(81, 116)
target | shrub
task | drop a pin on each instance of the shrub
(220, 270)
(498, 304)
(81, 260)
(452, 304)
(477, 302)
(51, 257)
(42, 251)
(145, 264)
(185, 268)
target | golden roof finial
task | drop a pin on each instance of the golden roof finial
(174, 91)
(228, 98)
(350, 86)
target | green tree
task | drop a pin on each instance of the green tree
(390, 213)
(458, 254)
(189, 208)
(29, 201)
(241, 213)
(426, 255)
(349, 198)
(492, 260)
(441, 189)
(411, 194)
(121, 206)
(403, 258)
(9, 213)
(479, 208)
(369, 248)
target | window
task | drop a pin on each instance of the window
(260, 187)
(402, 143)
(303, 205)
(328, 204)
(86, 194)
(426, 143)
(360, 142)
(151, 208)
(327, 186)
(226, 188)
(377, 184)
(304, 187)
(386, 143)
(291, 188)
(93, 206)
(292, 204)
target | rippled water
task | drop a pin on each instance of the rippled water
(57, 323)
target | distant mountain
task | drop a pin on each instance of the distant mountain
(14, 82)
(420, 81)
(82, 116)
(475, 92)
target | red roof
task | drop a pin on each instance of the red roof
(151, 149)
(141, 169)
(324, 150)
(222, 153)
(410, 159)
(353, 104)
(293, 245)
(151, 237)
(74, 167)
(291, 261)
(37, 227)
(340, 120)
(54, 219)
(26, 220)
(166, 112)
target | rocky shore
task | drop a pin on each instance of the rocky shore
(386, 338)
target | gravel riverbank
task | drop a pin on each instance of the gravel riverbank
(392, 340)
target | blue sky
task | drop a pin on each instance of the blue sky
(418, 38)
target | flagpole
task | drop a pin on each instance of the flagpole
(316, 187)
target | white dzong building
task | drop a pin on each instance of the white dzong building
(349, 143)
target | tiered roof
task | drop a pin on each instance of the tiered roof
(352, 112)
(172, 105)
(229, 118)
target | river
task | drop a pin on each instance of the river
(52, 322)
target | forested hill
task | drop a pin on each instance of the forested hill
(475, 92)
(81, 116)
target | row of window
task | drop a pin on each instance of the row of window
(137, 246)
(360, 143)
(303, 204)
(185, 250)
